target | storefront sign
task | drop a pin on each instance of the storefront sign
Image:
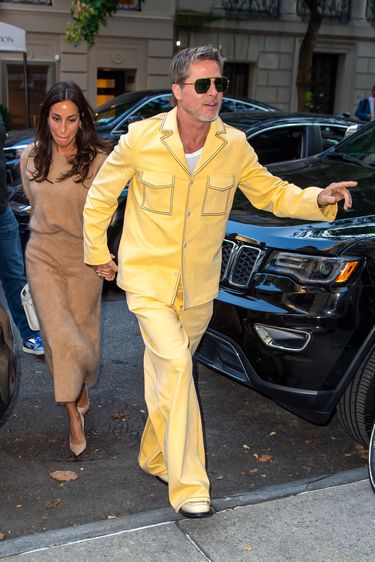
(12, 38)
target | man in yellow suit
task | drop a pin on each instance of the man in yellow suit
(184, 167)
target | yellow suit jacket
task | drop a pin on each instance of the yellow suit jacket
(175, 221)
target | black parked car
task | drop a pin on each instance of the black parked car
(113, 118)
(280, 136)
(274, 135)
(8, 368)
(295, 315)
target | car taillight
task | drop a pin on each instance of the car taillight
(313, 269)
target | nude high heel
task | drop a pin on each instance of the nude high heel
(78, 448)
(84, 409)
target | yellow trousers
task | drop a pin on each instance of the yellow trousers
(172, 441)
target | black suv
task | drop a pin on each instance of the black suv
(295, 315)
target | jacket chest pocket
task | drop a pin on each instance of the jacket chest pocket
(218, 195)
(157, 192)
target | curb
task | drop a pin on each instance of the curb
(41, 541)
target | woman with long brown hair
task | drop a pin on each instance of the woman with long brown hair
(57, 171)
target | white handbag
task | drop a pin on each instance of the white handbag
(29, 309)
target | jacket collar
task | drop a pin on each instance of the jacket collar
(170, 137)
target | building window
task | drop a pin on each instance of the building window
(334, 9)
(113, 82)
(130, 5)
(41, 76)
(370, 10)
(45, 2)
(243, 9)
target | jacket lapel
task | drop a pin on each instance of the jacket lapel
(215, 142)
(171, 139)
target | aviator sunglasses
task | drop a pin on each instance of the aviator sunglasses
(202, 85)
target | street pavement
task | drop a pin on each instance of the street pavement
(332, 520)
(252, 446)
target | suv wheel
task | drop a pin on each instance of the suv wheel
(356, 408)
(371, 460)
(7, 389)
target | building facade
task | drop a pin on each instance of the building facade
(260, 40)
(131, 52)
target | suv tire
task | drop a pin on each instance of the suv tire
(371, 460)
(356, 408)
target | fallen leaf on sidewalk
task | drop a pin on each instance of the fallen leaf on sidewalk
(118, 415)
(253, 470)
(272, 434)
(248, 548)
(50, 504)
(219, 477)
(263, 458)
(2, 536)
(245, 446)
(361, 451)
(63, 475)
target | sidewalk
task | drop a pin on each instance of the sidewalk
(330, 519)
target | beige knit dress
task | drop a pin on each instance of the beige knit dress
(66, 292)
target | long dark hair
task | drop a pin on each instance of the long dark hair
(87, 141)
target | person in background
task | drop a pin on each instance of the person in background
(184, 167)
(366, 107)
(57, 171)
(12, 267)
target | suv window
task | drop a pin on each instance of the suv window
(278, 144)
(235, 105)
(331, 135)
(152, 107)
(108, 114)
(360, 145)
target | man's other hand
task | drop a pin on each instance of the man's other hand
(107, 270)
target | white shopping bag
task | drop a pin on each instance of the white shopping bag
(29, 309)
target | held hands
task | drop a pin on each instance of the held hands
(335, 192)
(107, 270)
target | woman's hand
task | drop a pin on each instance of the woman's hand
(107, 270)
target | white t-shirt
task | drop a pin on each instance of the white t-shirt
(192, 159)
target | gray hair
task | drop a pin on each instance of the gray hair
(179, 68)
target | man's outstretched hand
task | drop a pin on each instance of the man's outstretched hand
(335, 192)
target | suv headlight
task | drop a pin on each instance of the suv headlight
(311, 269)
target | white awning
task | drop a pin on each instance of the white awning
(12, 38)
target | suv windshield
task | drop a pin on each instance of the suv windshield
(108, 112)
(351, 159)
(360, 146)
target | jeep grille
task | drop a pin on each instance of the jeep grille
(238, 263)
